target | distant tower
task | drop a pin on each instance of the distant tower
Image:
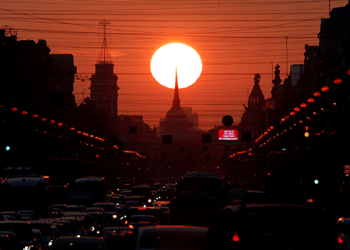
(253, 119)
(176, 122)
(104, 88)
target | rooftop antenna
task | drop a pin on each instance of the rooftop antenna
(104, 56)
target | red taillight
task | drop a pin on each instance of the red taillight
(131, 226)
(144, 222)
(235, 237)
(340, 239)
(126, 222)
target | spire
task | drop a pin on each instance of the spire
(105, 57)
(176, 100)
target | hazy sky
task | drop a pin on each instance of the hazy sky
(235, 39)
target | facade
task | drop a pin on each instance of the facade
(61, 85)
(34, 80)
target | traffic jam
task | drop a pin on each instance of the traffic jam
(193, 211)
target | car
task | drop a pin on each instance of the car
(40, 242)
(110, 209)
(22, 230)
(272, 226)
(86, 218)
(67, 229)
(44, 227)
(170, 237)
(76, 225)
(86, 243)
(343, 229)
(137, 221)
(142, 210)
(10, 240)
(193, 208)
(28, 213)
(117, 237)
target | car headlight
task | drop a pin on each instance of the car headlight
(98, 232)
(114, 216)
(92, 229)
(78, 236)
(50, 243)
(149, 200)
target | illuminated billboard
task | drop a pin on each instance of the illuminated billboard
(228, 134)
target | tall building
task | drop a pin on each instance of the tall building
(176, 123)
(253, 119)
(104, 87)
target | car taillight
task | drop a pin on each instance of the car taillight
(340, 239)
(131, 226)
(235, 237)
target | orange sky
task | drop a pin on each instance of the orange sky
(235, 39)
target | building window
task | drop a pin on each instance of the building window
(206, 138)
(132, 129)
(246, 136)
(224, 157)
(207, 157)
(58, 99)
(205, 148)
(163, 154)
(189, 156)
(167, 139)
(227, 148)
(182, 149)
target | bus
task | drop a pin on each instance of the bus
(87, 190)
(27, 192)
(200, 182)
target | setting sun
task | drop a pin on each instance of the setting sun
(174, 56)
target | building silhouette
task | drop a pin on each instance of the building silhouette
(104, 87)
(35, 80)
(253, 119)
(176, 124)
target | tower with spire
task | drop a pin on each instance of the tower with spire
(104, 87)
(176, 123)
(253, 119)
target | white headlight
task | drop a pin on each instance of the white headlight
(114, 216)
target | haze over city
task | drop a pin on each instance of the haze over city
(235, 40)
